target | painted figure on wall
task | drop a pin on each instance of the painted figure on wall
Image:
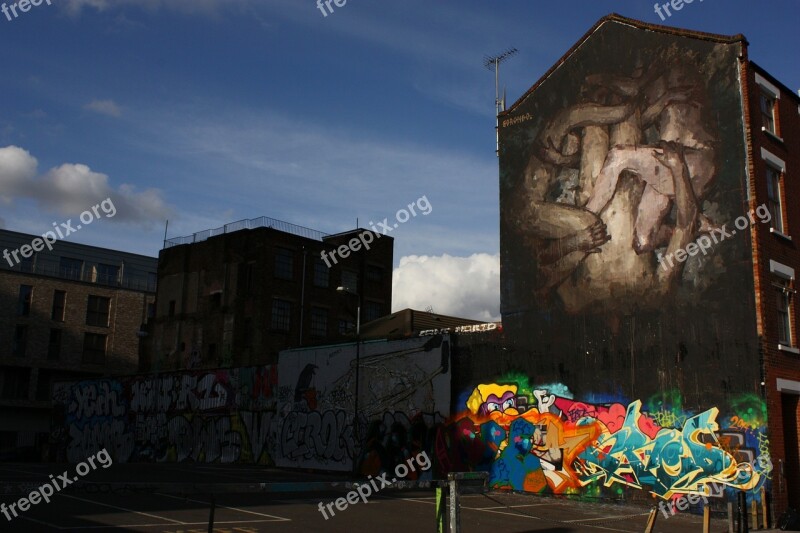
(562, 445)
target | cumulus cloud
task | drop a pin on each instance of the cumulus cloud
(70, 189)
(104, 107)
(17, 168)
(467, 287)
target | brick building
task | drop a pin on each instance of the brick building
(772, 127)
(71, 312)
(238, 295)
(648, 198)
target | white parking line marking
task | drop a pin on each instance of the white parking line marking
(216, 523)
(124, 509)
(277, 518)
(607, 518)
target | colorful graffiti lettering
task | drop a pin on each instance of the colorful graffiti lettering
(531, 439)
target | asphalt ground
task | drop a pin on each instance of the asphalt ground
(177, 499)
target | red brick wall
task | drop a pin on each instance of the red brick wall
(766, 246)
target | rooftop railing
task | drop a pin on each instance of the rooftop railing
(253, 223)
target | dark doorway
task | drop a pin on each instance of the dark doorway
(789, 405)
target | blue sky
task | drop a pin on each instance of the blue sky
(205, 112)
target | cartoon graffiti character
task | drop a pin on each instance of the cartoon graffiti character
(491, 398)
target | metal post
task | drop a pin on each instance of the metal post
(730, 518)
(211, 515)
(440, 504)
(764, 510)
(706, 518)
(455, 523)
(358, 365)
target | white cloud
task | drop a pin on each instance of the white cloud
(104, 107)
(17, 167)
(187, 6)
(467, 287)
(70, 189)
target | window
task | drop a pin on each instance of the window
(284, 263)
(774, 197)
(54, 344)
(24, 301)
(281, 314)
(350, 280)
(247, 338)
(94, 348)
(59, 305)
(322, 273)
(20, 343)
(767, 104)
(245, 283)
(171, 311)
(215, 301)
(319, 322)
(784, 301)
(151, 310)
(14, 383)
(152, 281)
(372, 311)
(107, 274)
(768, 97)
(44, 382)
(97, 311)
(26, 265)
(346, 327)
(374, 274)
(70, 268)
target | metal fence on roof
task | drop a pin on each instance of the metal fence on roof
(253, 223)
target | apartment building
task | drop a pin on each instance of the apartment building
(71, 312)
(238, 295)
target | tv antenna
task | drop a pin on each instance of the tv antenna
(493, 63)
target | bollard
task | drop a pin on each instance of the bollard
(764, 515)
(706, 518)
(754, 512)
(211, 515)
(730, 518)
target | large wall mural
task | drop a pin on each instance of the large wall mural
(404, 394)
(542, 440)
(614, 170)
(212, 416)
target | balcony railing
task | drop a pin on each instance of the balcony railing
(138, 281)
(253, 223)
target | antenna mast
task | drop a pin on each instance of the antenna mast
(493, 63)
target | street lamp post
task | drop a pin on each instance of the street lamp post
(358, 360)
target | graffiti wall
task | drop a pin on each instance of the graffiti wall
(404, 393)
(541, 439)
(212, 416)
(621, 176)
